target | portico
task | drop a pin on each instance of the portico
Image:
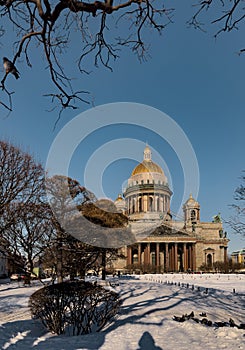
(167, 256)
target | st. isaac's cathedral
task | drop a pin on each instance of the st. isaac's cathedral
(172, 245)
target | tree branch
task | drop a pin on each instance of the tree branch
(49, 24)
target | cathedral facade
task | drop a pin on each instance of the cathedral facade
(173, 245)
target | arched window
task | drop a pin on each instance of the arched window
(140, 204)
(134, 207)
(153, 258)
(209, 260)
(150, 204)
(193, 215)
(158, 204)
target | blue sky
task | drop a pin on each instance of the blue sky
(196, 80)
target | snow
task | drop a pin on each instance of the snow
(146, 319)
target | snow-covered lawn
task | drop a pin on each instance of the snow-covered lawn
(146, 319)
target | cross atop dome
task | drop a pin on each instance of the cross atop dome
(147, 153)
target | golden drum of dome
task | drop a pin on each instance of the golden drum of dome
(147, 167)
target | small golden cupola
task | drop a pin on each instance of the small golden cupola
(120, 204)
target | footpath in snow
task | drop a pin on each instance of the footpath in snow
(146, 320)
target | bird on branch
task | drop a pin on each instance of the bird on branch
(10, 67)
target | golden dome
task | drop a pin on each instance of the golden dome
(147, 167)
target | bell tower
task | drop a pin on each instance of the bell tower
(191, 210)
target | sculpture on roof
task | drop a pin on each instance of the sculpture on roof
(217, 218)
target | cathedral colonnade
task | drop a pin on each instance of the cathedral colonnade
(163, 256)
(148, 202)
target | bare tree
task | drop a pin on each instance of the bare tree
(51, 25)
(21, 182)
(72, 257)
(70, 201)
(22, 221)
(29, 233)
(65, 194)
(237, 222)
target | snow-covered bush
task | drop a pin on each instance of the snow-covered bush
(74, 307)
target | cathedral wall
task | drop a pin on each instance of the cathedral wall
(214, 249)
(206, 230)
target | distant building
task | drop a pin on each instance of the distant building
(172, 245)
(238, 257)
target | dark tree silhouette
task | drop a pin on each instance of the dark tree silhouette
(21, 182)
(99, 28)
(226, 14)
(29, 232)
(23, 214)
(64, 194)
(51, 25)
(237, 222)
(71, 200)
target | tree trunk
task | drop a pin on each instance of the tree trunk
(103, 263)
(59, 261)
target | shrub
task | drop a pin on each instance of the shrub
(74, 307)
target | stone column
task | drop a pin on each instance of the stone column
(194, 257)
(184, 256)
(147, 254)
(144, 203)
(167, 257)
(160, 203)
(176, 257)
(155, 203)
(190, 256)
(129, 255)
(139, 253)
(157, 255)
(171, 257)
(134, 204)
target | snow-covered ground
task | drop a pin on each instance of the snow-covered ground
(145, 321)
